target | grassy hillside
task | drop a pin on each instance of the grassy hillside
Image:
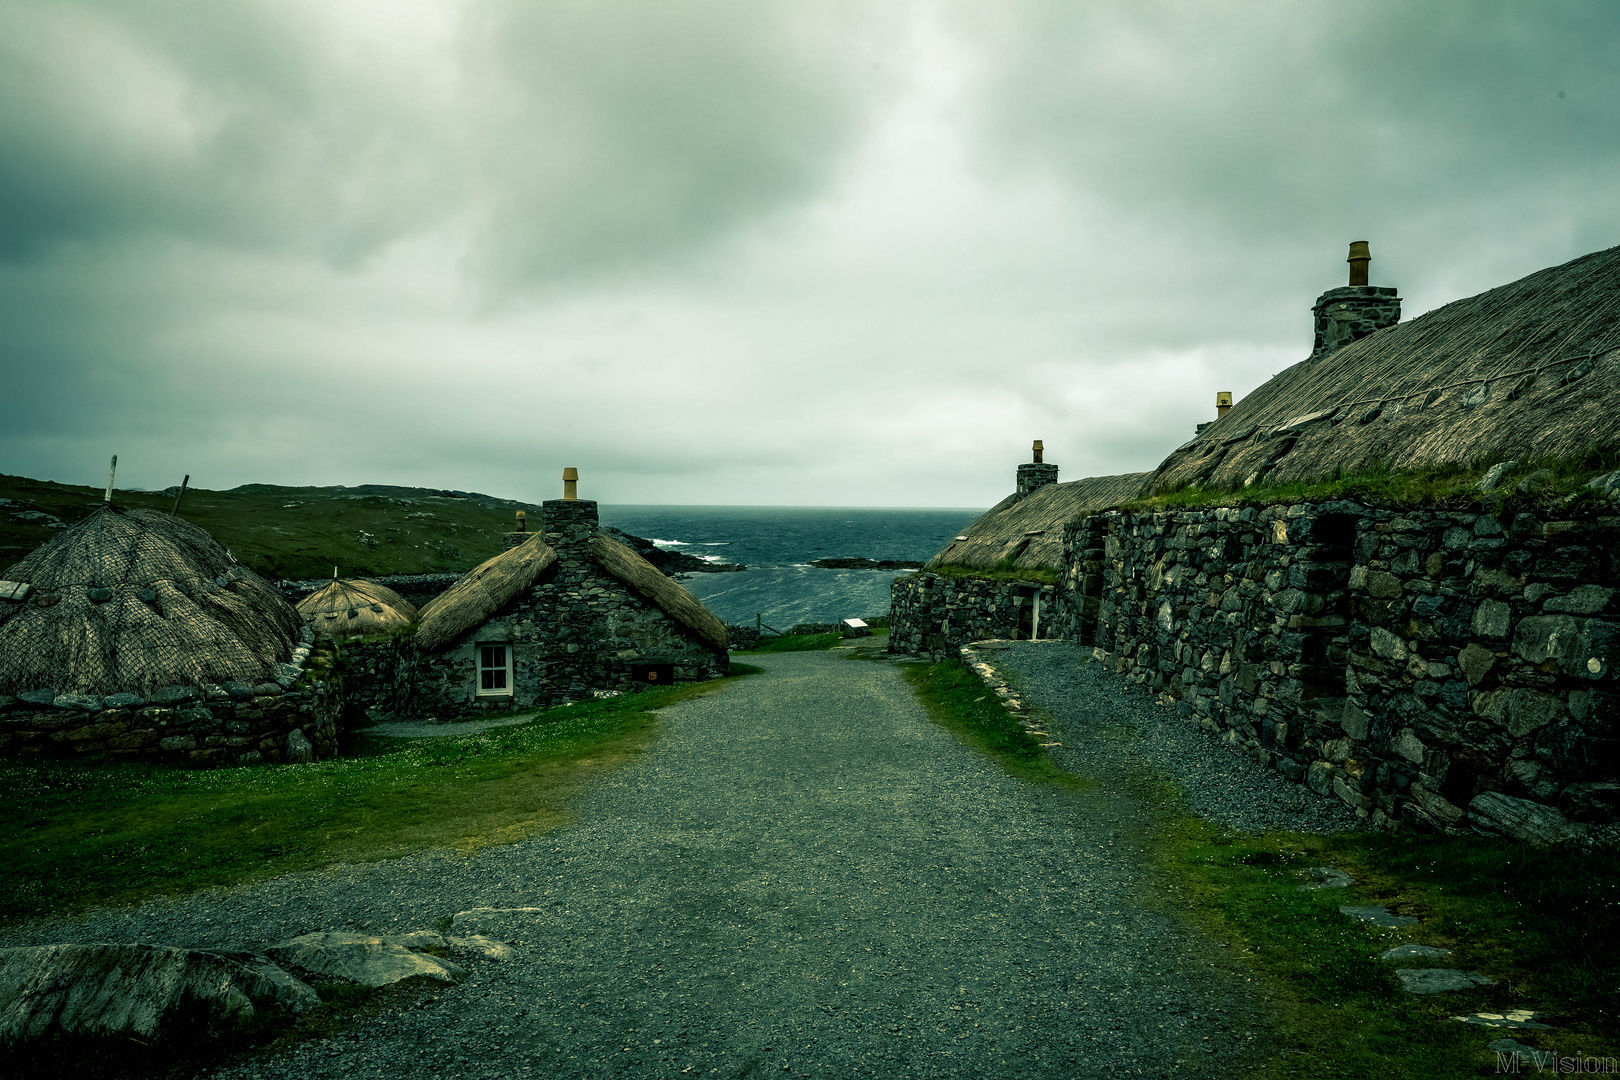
(296, 532)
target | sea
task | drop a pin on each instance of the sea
(780, 589)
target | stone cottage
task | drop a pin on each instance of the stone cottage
(563, 613)
(995, 579)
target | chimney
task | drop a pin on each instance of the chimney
(1355, 310)
(568, 523)
(1036, 474)
(513, 539)
(1223, 403)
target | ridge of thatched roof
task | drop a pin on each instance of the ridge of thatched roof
(663, 591)
(1028, 528)
(1525, 370)
(131, 600)
(482, 592)
(355, 608)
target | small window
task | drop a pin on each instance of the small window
(494, 671)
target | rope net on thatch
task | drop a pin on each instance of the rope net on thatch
(1529, 369)
(356, 608)
(130, 600)
(1028, 529)
(665, 592)
(481, 593)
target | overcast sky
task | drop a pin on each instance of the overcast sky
(809, 253)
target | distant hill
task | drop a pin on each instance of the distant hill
(292, 532)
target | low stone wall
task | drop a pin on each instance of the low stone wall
(1442, 669)
(294, 718)
(931, 615)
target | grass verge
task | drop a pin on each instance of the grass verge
(1542, 922)
(794, 643)
(85, 834)
(960, 703)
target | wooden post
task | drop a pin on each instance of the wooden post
(111, 470)
(175, 512)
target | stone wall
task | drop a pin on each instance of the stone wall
(1442, 669)
(294, 718)
(931, 615)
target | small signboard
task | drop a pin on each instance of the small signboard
(854, 628)
(653, 674)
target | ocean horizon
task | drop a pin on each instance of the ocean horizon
(777, 543)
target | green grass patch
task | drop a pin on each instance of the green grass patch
(794, 643)
(84, 834)
(1002, 571)
(1540, 922)
(958, 701)
(1453, 485)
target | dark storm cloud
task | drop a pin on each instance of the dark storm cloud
(740, 251)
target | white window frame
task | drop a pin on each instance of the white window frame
(481, 668)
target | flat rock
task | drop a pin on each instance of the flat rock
(1327, 877)
(1412, 952)
(135, 990)
(1521, 819)
(1378, 916)
(369, 961)
(476, 944)
(1521, 1019)
(1440, 980)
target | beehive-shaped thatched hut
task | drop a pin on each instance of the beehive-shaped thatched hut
(1526, 370)
(355, 609)
(131, 601)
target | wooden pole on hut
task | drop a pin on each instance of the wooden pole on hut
(111, 472)
(176, 511)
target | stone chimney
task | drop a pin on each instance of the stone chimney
(1356, 310)
(568, 523)
(1037, 474)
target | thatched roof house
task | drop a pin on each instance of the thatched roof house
(355, 609)
(1024, 531)
(1525, 370)
(130, 601)
(564, 613)
(483, 592)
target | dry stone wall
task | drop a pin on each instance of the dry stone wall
(291, 719)
(1440, 669)
(931, 615)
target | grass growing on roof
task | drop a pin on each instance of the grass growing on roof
(89, 833)
(1452, 485)
(1005, 570)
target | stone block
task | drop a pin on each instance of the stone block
(1521, 819)
(1435, 806)
(1476, 662)
(1493, 619)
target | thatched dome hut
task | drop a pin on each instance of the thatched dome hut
(1526, 370)
(356, 609)
(131, 600)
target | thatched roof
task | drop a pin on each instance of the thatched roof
(663, 591)
(356, 608)
(1028, 529)
(481, 593)
(128, 601)
(1526, 370)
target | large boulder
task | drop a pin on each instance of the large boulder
(369, 961)
(1504, 815)
(49, 991)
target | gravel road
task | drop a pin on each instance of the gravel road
(804, 876)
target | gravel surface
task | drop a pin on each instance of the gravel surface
(1111, 727)
(805, 876)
